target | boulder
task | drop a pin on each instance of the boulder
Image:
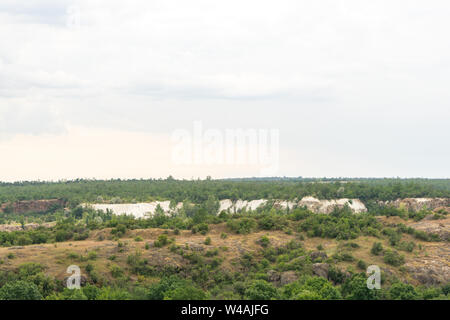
(321, 269)
(318, 255)
(288, 277)
(273, 276)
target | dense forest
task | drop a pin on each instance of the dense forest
(198, 191)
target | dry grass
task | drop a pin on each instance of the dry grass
(57, 257)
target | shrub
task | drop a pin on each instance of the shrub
(185, 293)
(446, 289)
(407, 246)
(272, 222)
(212, 252)
(20, 290)
(207, 241)
(162, 241)
(311, 288)
(355, 288)
(89, 268)
(202, 228)
(108, 293)
(264, 241)
(91, 292)
(260, 290)
(92, 255)
(116, 271)
(242, 225)
(402, 291)
(377, 249)
(175, 288)
(393, 258)
(362, 265)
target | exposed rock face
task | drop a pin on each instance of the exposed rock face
(141, 210)
(273, 276)
(29, 226)
(439, 227)
(195, 247)
(311, 203)
(288, 277)
(417, 204)
(32, 206)
(317, 255)
(138, 210)
(284, 205)
(321, 269)
(327, 206)
(432, 268)
(225, 205)
(432, 273)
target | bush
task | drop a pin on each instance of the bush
(272, 222)
(212, 253)
(116, 271)
(407, 246)
(362, 265)
(260, 290)
(311, 288)
(202, 228)
(175, 288)
(446, 289)
(91, 292)
(20, 290)
(162, 241)
(355, 288)
(242, 225)
(207, 241)
(393, 258)
(377, 249)
(402, 291)
(185, 293)
(92, 255)
(264, 241)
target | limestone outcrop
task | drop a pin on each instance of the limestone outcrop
(36, 206)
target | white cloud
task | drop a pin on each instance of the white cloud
(315, 69)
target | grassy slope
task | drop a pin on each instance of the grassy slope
(57, 257)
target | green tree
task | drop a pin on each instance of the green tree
(355, 288)
(261, 290)
(20, 290)
(402, 291)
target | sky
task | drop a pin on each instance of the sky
(99, 88)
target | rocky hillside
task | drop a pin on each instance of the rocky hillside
(37, 206)
(140, 210)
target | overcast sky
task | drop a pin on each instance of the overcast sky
(96, 88)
